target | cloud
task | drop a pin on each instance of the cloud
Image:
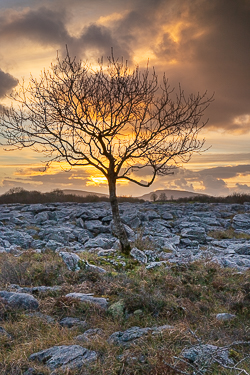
(42, 25)
(7, 83)
(202, 44)
(215, 186)
(214, 181)
(226, 172)
(243, 188)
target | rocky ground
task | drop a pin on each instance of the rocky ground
(164, 238)
(172, 233)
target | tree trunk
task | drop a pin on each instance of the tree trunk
(119, 229)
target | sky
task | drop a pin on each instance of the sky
(202, 44)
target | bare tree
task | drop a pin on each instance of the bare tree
(116, 120)
(153, 197)
(163, 196)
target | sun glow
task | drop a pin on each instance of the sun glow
(101, 180)
(96, 181)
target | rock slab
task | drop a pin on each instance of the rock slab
(64, 357)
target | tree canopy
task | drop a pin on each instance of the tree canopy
(119, 121)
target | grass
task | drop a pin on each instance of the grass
(187, 297)
(228, 234)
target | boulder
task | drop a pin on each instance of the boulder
(96, 226)
(44, 317)
(64, 357)
(22, 301)
(89, 334)
(18, 238)
(241, 222)
(92, 267)
(104, 241)
(131, 335)
(225, 316)
(131, 219)
(139, 255)
(99, 301)
(4, 333)
(152, 214)
(41, 217)
(167, 216)
(206, 354)
(242, 249)
(194, 234)
(71, 260)
(70, 322)
(155, 264)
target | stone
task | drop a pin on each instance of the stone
(71, 260)
(132, 334)
(30, 371)
(206, 354)
(91, 333)
(15, 237)
(96, 226)
(151, 214)
(103, 241)
(64, 357)
(242, 249)
(72, 322)
(99, 301)
(155, 264)
(131, 219)
(139, 255)
(225, 316)
(4, 333)
(44, 317)
(61, 227)
(138, 312)
(194, 233)
(44, 289)
(93, 268)
(41, 217)
(130, 233)
(167, 216)
(21, 301)
(83, 236)
(241, 222)
(105, 253)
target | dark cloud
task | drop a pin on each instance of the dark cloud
(218, 158)
(208, 39)
(210, 181)
(7, 82)
(48, 27)
(243, 188)
(42, 25)
(215, 186)
(212, 50)
(223, 56)
(226, 172)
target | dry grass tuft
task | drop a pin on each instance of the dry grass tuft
(187, 297)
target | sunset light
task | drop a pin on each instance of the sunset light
(202, 48)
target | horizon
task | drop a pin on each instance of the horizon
(203, 47)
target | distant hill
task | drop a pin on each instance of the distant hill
(170, 194)
(83, 193)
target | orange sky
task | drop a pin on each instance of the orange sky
(204, 45)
